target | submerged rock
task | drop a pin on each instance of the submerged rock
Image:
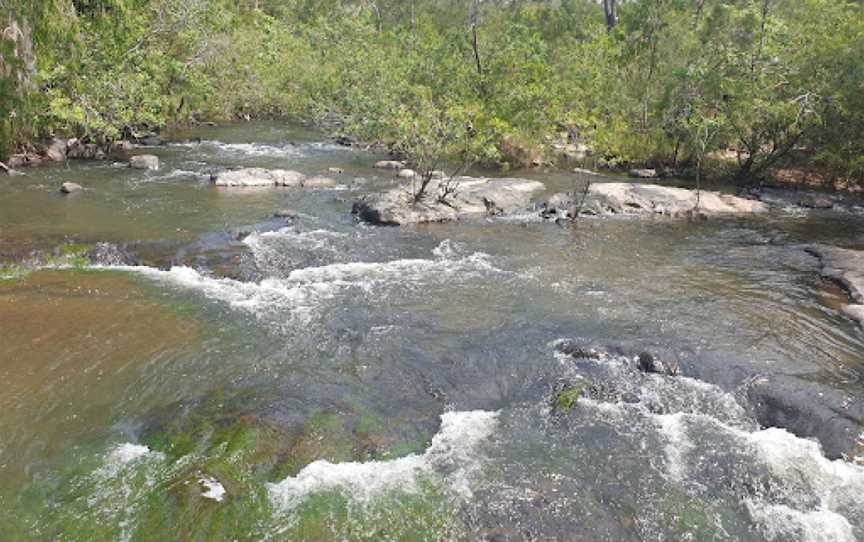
(473, 197)
(812, 201)
(144, 161)
(258, 177)
(648, 200)
(69, 188)
(847, 268)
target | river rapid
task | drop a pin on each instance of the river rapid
(179, 364)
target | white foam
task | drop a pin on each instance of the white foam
(246, 149)
(126, 453)
(452, 455)
(677, 447)
(781, 523)
(824, 492)
(303, 290)
(214, 490)
(174, 174)
(269, 247)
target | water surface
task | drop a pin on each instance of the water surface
(178, 364)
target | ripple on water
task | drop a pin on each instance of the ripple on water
(303, 290)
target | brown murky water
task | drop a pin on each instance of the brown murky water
(71, 345)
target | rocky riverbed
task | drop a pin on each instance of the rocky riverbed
(185, 356)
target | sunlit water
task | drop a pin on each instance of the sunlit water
(329, 380)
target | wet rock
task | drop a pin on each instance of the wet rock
(809, 410)
(335, 170)
(144, 161)
(389, 164)
(647, 363)
(55, 150)
(319, 182)
(576, 350)
(69, 188)
(811, 201)
(407, 173)
(562, 206)
(847, 268)
(643, 173)
(150, 140)
(649, 200)
(121, 146)
(23, 160)
(567, 395)
(258, 177)
(286, 214)
(473, 197)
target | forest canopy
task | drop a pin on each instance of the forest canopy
(661, 82)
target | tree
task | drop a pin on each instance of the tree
(610, 11)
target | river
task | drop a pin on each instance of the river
(178, 364)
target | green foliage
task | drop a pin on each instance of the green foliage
(776, 81)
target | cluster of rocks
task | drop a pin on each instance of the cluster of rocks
(60, 150)
(807, 408)
(446, 200)
(260, 177)
(496, 197)
(604, 199)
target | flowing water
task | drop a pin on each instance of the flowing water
(177, 364)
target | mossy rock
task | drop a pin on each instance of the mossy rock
(565, 399)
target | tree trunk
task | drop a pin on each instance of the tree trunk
(610, 10)
(475, 45)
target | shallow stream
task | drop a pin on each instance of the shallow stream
(178, 364)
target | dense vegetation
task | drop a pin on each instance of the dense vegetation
(663, 82)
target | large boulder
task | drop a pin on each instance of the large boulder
(144, 161)
(650, 199)
(847, 268)
(55, 150)
(258, 177)
(472, 197)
